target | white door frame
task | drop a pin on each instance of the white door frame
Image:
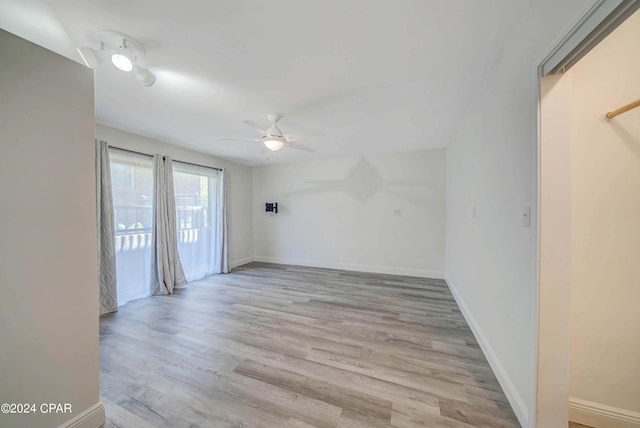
(549, 390)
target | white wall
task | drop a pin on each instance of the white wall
(48, 270)
(239, 180)
(382, 213)
(605, 289)
(490, 262)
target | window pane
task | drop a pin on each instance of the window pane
(121, 175)
(194, 214)
(132, 183)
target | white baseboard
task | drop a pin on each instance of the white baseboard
(240, 262)
(516, 401)
(421, 273)
(600, 415)
(93, 417)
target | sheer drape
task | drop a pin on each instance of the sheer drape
(200, 219)
(132, 182)
(221, 244)
(166, 269)
(105, 230)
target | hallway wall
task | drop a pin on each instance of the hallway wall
(48, 253)
(490, 255)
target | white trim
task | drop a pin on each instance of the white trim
(420, 273)
(535, 252)
(516, 401)
(601, 415)
(93, 417)
(598, 22)
(240, 262)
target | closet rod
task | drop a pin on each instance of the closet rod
(621, 110)
(148, 155)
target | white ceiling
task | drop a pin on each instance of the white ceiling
(375, 75)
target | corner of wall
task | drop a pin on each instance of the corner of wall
(600, 415)
(516, 401)
(240, 262)
(253, 214)
(93, 417)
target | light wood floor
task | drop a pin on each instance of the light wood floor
(285, 346)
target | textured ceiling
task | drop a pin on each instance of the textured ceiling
(375, 75)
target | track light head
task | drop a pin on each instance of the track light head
(123, 58)
(144, 75)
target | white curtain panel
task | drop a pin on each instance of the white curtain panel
(132, 186)
(201, 219)
(105, 230)
(166, 268)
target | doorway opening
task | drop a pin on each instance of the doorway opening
(589, 233)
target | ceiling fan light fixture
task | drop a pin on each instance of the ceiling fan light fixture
(273, 139)
(273, 144)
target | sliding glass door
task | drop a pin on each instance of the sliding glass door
(196, 192)
(132, 184)
(199, 217)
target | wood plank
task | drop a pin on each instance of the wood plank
(324, 391)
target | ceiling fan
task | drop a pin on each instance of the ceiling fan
(274, 139)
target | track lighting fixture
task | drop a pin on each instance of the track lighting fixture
(125, 54)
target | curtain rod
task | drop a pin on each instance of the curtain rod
(130, 151)
(197, 164)
(624, 109)
(147, 154)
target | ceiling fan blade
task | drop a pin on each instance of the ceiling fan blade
(238, 139)
(299, 146)
(256, 127)
(293, 137)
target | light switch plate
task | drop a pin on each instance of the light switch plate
(526, 216)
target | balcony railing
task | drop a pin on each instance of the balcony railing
(133, 224)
